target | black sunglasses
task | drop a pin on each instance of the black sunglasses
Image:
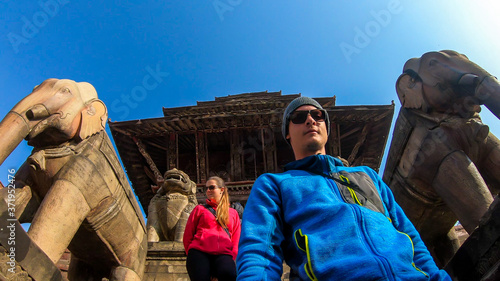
(300, 116)
(211, 187)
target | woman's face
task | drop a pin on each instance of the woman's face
(213, 191)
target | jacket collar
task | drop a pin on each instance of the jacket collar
(318, 164)
(211, 203)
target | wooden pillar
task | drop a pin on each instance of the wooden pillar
(236, 155)
(268, 150)
(201, 156)
(275, 154)
(334, 140)
(172, 152)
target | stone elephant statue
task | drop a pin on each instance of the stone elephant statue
(443, 162)
(169, 209)
(72, 187)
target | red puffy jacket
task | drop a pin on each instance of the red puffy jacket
(205, 234)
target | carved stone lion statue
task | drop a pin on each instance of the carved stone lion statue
(169, 209)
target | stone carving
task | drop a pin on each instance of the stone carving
(443, 162)
(72, 188)
(239, 208)
(169, 209)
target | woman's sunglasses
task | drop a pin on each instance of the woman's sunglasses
(300, 116)
(211, 187)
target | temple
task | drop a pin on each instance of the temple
(238, 137)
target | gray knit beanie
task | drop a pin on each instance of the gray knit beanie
(296, 103)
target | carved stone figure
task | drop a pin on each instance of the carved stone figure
(169, 209)
(239, 208)
(72, 188)
(443, 162)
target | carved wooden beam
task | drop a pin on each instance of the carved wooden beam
(149, 173)
(355, 130)
(334, 139)
(157, 145)
(361, 140)
(149, 160)
(330, 103)
(382, 115)
(125, 133)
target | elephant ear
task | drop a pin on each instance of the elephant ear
(94, 116)
(410, 92)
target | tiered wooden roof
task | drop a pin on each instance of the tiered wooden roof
(358, 133)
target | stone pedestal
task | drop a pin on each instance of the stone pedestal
(165, 261)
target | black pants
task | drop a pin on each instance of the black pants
(201, 266)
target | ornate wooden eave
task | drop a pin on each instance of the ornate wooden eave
(358, 133)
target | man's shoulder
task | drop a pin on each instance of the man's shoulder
(283, 175)
(353, 169)
(276, 180)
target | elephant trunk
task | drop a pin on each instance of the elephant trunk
(13, 129)
(21, 120)
(488, 92)
(37, 112)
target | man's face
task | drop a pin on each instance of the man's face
(309, 137)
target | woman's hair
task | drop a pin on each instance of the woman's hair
(223, 207)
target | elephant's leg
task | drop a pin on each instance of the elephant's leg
(490, 164)
(60, 215)
(129, 244)
(462, 188)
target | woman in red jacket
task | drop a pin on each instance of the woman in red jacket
(211, 236)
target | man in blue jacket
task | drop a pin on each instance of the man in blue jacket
(327, 221)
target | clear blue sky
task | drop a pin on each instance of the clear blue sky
(198, 50)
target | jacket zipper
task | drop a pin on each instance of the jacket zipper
(357, 215)
(382, 259)
(334, 188)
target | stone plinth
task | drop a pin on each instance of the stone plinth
(165, 261)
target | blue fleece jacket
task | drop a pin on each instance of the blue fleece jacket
(302, 217)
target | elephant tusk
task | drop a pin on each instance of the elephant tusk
(37, 112)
